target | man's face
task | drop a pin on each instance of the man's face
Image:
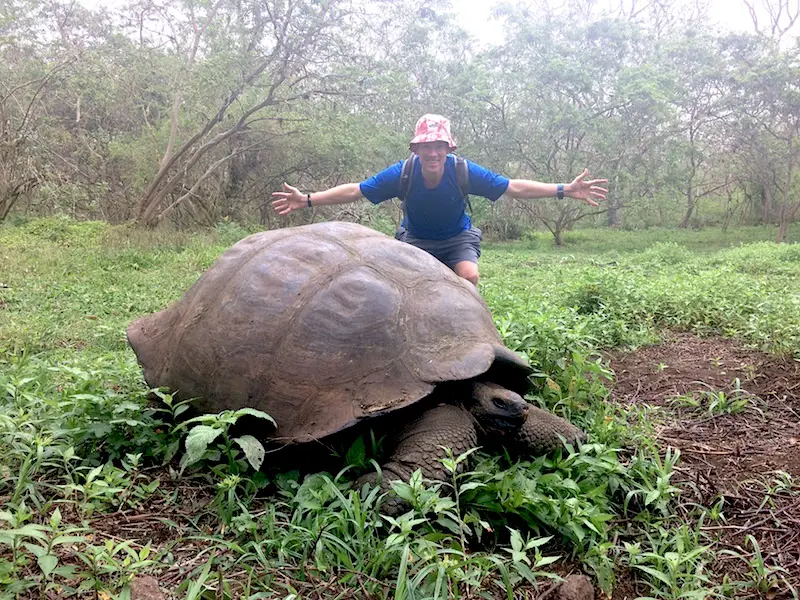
(432, 156)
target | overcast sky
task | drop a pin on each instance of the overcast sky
(476, 16)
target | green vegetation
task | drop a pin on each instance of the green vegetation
(83, 448)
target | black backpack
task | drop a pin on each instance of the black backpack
(462, 176)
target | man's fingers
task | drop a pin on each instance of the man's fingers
(282, 206)
(282, 203)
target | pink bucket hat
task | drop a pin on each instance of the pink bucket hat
(433, 128)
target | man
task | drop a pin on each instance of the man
(436, 219)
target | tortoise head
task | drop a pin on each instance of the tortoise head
(497, 409)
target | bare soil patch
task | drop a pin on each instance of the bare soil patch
(738, 458)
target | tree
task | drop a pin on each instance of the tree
(699, 97)
(778, 112)
(542, 111)
(278, 57)
(30, 70)
(773, 18)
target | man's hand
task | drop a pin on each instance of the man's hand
(288, 200)
(588, 191)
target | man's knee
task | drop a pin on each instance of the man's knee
(468, 270)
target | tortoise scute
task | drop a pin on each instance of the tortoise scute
(354, 322)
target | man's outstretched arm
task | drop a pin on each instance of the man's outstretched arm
(292, 198)
(589, 191)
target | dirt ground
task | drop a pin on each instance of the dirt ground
(739, 457)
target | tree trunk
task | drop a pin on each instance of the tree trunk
(690, 198)
(766, 204)
(558, 234)
(783, 229)
(730, 210)
(613, 212)
(176, 164)
(613, 203)
(11, 191)
(690, 202)
(787, 211)
(7, 202)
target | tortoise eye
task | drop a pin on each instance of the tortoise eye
(499, 403)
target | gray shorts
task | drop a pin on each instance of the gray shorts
(464, 246)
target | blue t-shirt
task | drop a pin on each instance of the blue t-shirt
(435, 214)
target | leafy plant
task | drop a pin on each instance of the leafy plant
(675, 563)
(765, 579)
(717, 402)
(233, 490)
(28, 541)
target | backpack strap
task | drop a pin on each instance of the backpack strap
(405, 178)
(405, 185)
(462, 176)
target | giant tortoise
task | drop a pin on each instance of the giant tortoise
(328, 326)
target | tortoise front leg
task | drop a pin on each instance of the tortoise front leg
(420, 445)
(539, 434)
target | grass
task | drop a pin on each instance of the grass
(82, 445)
(615, 299)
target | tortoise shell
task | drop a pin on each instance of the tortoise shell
(322, 326)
